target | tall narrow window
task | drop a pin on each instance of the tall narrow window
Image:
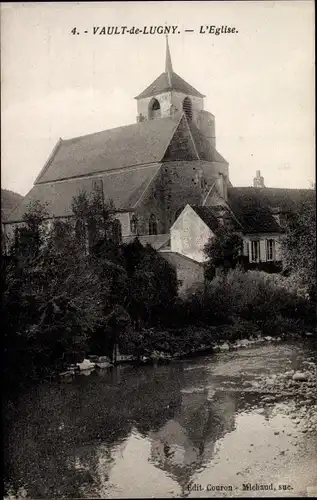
(133, 224)
(270, 250)
(255, 251)
(152, 225)
(187, 108)
(117, 231)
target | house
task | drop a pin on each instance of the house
(258, 214)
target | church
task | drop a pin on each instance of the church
(168, 183)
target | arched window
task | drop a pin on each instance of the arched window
(133, 224)
(187, 108)
(80, 230)
(154, 109)
(152, 225)
(117, 231)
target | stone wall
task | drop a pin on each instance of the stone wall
(189, 235)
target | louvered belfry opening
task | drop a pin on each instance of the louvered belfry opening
(187, 108)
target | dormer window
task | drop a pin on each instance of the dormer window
(187, 108)
(154, 109)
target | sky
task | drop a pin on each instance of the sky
(259, 82)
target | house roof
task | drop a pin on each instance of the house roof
(254, 206)
(137, 144)
(157, 241)
(176, 258)
(168, 81)
(124, 188)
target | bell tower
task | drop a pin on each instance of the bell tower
(169, 94)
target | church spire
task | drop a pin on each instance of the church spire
(168, 63)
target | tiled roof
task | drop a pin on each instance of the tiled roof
(175, 258)
(205, 151)
(253, 206)
(155, 240)
(123, 187)
(162, 84)
(137, 144)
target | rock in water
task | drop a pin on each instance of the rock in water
(301, 376)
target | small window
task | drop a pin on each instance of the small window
(270, 250)
(255, 251)
(152, 225)
(133, 225)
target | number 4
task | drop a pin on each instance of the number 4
(74, 31)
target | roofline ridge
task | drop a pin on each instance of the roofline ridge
(103, 172)
(49, 160)
(172, 134)
(147, 186)
(113, 128)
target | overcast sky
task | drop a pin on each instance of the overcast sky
(259, 82)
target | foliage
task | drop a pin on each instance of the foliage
(224, 249)
(50, 304)
(63, 299)
(299, 246)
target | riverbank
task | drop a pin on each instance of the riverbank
(159, 356)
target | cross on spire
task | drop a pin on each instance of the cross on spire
(168, 63)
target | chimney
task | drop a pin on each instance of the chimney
(258, 181)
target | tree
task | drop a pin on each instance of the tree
(224, 250)
(152, 283)
(51, 299)
(299, 245)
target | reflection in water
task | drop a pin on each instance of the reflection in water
(142, 432)
(182, 445)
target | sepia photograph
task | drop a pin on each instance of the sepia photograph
(158, 243)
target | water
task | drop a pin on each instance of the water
(185, 429)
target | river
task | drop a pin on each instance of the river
(188, 429)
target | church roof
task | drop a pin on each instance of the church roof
(164, 84)
(254, 207)
(123, 187)
(138, 144)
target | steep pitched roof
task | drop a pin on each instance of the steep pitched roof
(137, 144)
(157, 241)
(166, 82)
(123, 187)
(253, 206)
(207, 215)
(176, 259)
(204, 149)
